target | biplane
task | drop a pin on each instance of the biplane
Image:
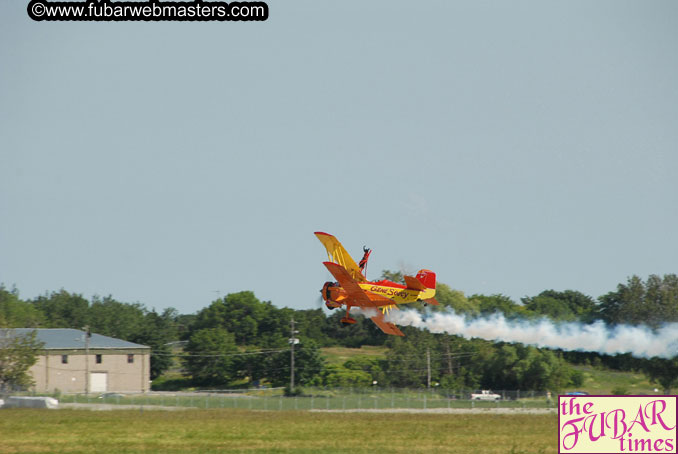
(352, 289)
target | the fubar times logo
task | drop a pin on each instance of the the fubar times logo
(617, 424)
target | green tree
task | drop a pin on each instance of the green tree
(273, 326)
(116, 319)
(569, 305)
(661, 298)
(308, 364)
(454, 299)
(406, 359)
(652, 303)
(63, 309)
(502, 304)
(662, 371)
(336, 376)
(455, 362)
(17, 354)
(505, 369)
(15, 313)
(210, 358)
(241, 314)
(550, 307)
(470, 359)
(516, 366)
(252, 364)
(372, 366)
(157, 331)
(363, 332)
(313, 324)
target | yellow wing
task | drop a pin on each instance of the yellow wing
(337, 254)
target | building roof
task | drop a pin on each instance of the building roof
(73, 339)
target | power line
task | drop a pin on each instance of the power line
(219, 355)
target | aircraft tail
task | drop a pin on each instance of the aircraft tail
(427, 278)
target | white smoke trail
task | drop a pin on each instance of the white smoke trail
(365, 311)
(640, 341)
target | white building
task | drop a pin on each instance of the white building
(72, 362)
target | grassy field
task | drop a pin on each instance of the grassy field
(604, 381)
(339, 355)
(242, 431)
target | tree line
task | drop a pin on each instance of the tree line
(240, 340)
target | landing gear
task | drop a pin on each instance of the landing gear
(347, 320)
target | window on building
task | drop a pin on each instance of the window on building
(130, 359)
(99, 359)
(64, 359)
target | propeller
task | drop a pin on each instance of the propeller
(319, 302)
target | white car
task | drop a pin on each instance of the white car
(485, 395)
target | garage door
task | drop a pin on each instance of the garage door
(98, 382)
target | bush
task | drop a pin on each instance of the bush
(298, 391)
(171, 384)
(577, 378)
(340, 377)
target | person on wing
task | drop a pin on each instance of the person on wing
(363, 262)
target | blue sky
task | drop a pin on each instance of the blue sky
(511, 147)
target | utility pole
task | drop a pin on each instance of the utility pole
(428, 367)
(88, 334)
(293, 340)
(449, 356)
